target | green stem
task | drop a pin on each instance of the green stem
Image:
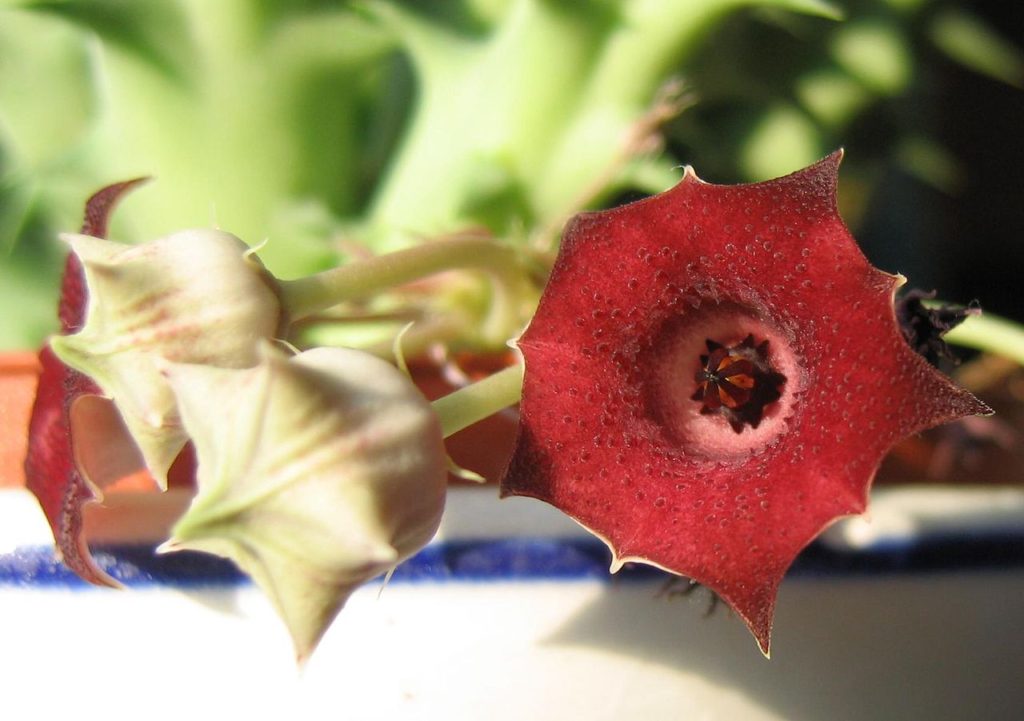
(476, 401)
(992, 334)
(303, 297)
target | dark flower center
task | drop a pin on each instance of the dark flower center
(737, 382)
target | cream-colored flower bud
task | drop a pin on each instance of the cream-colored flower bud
(197, 296)
(316, 473)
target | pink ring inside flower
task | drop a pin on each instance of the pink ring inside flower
(674, 360)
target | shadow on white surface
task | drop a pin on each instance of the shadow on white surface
(899, 647)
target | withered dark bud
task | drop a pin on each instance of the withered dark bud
(924, 325)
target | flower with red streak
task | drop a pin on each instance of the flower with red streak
(713, 376)
(51, 471)
(69, 406)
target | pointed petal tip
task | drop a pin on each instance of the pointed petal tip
(977, 406)
(831, 162)
(102, 579)
(122, 186)
(826, 169)
(87, 569)
(101, 204)
(98, 253)
(956, 403)
(760, 628)
(304, 648)
(172, 545)
(690, 175)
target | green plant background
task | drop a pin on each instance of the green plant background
(331, 129)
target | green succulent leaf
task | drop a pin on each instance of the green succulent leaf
(975, 45)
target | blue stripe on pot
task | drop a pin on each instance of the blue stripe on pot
(520, 559)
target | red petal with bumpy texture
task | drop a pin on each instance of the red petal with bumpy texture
(50, 470)
(611, 434)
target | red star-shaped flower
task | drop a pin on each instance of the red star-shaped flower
(713, 376)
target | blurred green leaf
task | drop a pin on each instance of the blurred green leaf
(972, 43)
(931, 163)
(832, 96)
(47, 93)
(783, 141)
(820, 8)
(153, 30)
(873, 51)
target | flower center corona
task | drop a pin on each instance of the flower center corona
(737, 382)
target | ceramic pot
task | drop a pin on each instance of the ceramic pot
(19, 373)
(510, 614)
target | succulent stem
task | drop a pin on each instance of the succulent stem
(476, 401)
(306, 296)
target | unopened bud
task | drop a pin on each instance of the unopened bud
(196, 296)
(316, 474)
